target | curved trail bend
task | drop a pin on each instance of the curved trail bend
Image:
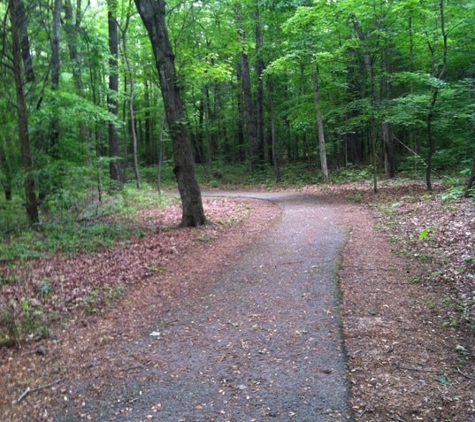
(263, 343)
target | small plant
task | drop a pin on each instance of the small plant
(115, 293)
(9, 329)
(92, 301)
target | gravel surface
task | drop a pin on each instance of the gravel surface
(262, 343)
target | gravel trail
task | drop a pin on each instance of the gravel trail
(263, 343)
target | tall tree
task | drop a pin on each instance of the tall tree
(438, 72)
(131, 96)
(248, 105)
(55, 71)
(153, 16)
(114, 142)
(320, 129)
(16, 17)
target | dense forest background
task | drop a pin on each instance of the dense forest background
(312, 88)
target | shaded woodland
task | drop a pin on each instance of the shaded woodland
(383, 87)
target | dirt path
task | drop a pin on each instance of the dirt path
(261, 343)
(246, 328)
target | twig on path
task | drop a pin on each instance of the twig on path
(465, 375)
(289, 263)
(437, 371)
(32, 390)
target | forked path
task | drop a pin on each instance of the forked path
(263, 343)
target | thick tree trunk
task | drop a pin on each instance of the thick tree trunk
(27, 161)
(153, 16)
(114, 145)
(320, 129)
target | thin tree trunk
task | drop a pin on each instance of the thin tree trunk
(259, 67)
(160, 153)
(250, 114)
(25, 42)
(435, 93)
(112, 100)
(72, 29)
(320, 129)
(55, 69)
(23, 133)
(153, 16)
(131, 103)
(148, 125)
(388, 142)
(275, 162)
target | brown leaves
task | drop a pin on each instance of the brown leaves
(88, 281)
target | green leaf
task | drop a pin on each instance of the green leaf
(423, 234)
(443, 380)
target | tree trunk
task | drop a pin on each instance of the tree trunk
(148, 126)
(388, 142)
(435, 94)
(72, 29)
(389, 150)
(250, 115)
(55, 69)
(23, 134)
(131, 104)
(153, 16)
(470, 181)
(259, 67)
(25, 42)
(321, 132)
(112, 100)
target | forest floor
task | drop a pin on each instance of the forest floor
(407, 303)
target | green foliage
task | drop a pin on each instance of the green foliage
(456, 187)
(19, 319)
(77, 221)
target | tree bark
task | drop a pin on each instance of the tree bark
(23, 133)
(153, 16)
